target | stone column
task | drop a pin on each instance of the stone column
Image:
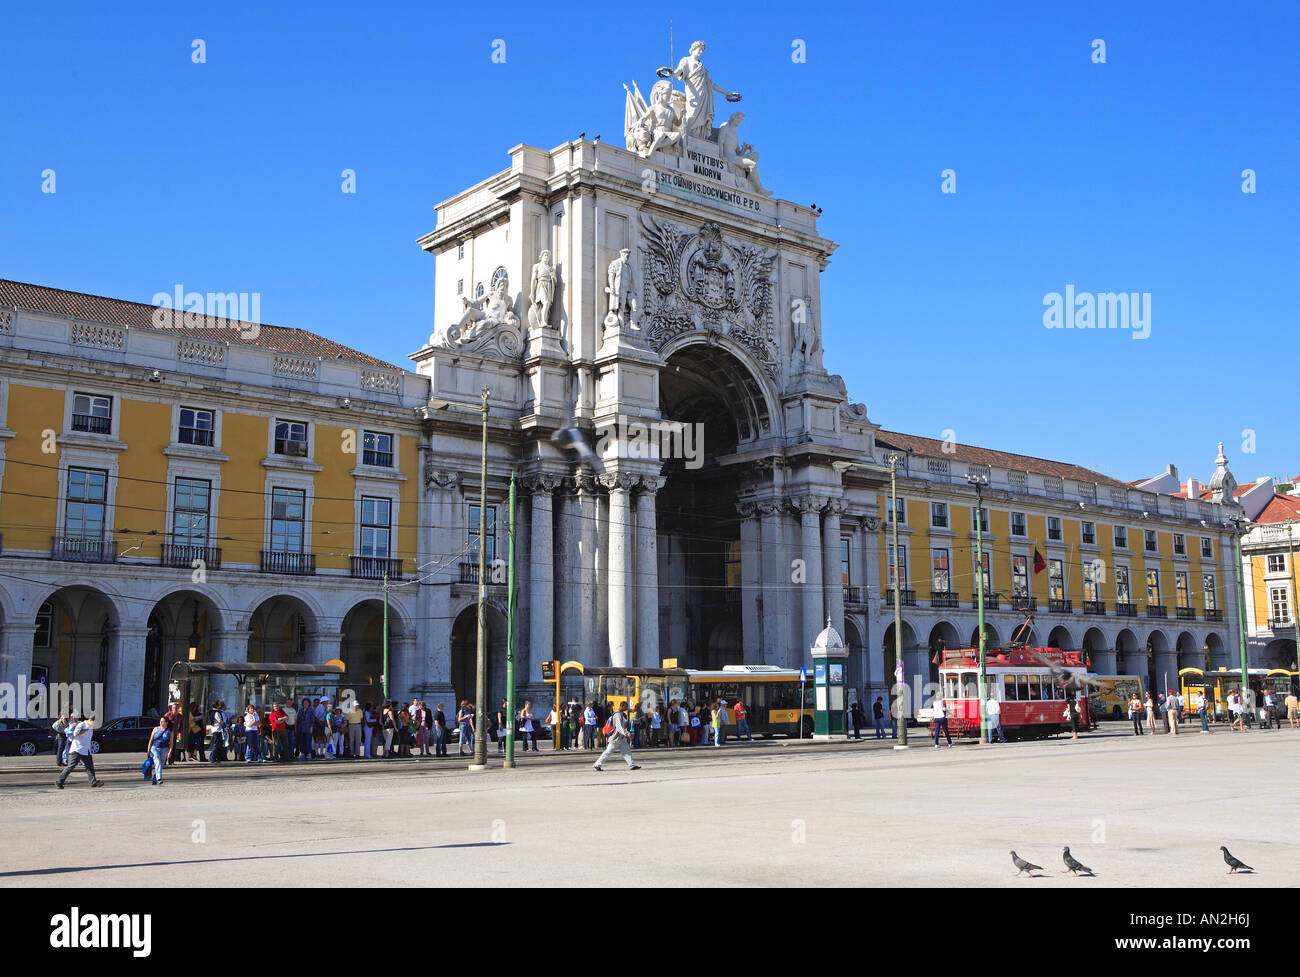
(125, 683)
(588, 513)
(751, 576)
(621, 638)
(568, 609)
(405, 670)
(444, 535)
(810, 552)
(326, 644)
(647, 574)
(832, 574)
(679, 642)
(773, 615)
(16, 659)
(873, 665)
(541, 579)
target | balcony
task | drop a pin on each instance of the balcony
(1280, 623)
(944, 598)
(379, 459)
(1024, 603)
(990, 602)
(1185, 613)
(906, 597)
(295, 564)
(183, 555)
(853, 595)
(1055, 606)
(91, 424)
(80, 550)
(1125, 610)
(376, 568)
(1216, 616)
(1157, 610)
(1094, 607)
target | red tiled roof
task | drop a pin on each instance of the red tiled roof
(988, 456)
(1205, 493)
(1279, 509)
(138, 315)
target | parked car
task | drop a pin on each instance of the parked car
(129, 734)
(18, 737)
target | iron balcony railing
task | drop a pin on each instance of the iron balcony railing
(375, 567)
(1094, 607)
(1024, 603)
(91, 424)
(469, 574)
(1185, 613)
(80, 550)
(906, 596)
(990, 601)
(1157, 610)
(944, 598)
(183, 555)
(1275, 623)
(852, 595)
(379, 459)
(1214, 616)
(282, 561)
(1057, 606)
(1123, 609)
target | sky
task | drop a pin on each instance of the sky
(1117, 176)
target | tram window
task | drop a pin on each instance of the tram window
(1022, 687)
(1035, 690)
(970, 685)
(1009, 688)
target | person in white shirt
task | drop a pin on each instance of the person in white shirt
(252, 723)
(618, 739)
(993, 713)
(80, 736)
(939, 720)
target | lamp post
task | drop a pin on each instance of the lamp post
(842, 467)
(1290, 562)
(1236, 523)
(979, 481)
(479, 760)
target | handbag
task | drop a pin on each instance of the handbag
(146, 768)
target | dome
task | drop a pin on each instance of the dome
(829, 639)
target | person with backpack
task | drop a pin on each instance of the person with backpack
(616, 732)
(160, 741)
(80, 736)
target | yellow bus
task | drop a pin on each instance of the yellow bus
(1108, 698)
(1216, 686)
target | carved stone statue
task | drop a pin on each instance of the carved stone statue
(489, 325)
(805, 335)
(621, 291)
(698, 120)
(738, 154)
(658, 125)
(541, 292)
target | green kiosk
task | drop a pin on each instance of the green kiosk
(829, 658)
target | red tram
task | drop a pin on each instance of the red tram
(1030, 684)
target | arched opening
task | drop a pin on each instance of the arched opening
(1131, 657)
(278, 631)
(943, 637)
(1190, 654)
(889, 650)
(1162, 662)
(1280, 653)
(362, 649)
(992, 640)
(73, 635)
(854, 673)
(1060, 637)
(721, 407)
(179, 622)
(1216, 654)
(464, 655)
(1096, 652)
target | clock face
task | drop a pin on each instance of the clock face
(500, 275)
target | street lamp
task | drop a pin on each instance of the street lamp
(1290, 562)
(479, 760)
(979, 480)
(842, 467)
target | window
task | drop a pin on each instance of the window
(191, 499)
(377, 449)
(1276, 563)
(1279, 602)
(1121, 538)
(291, 438)
(1180, 545)
(478, 290)
(44, 626)
(983, 520)
(902, 565)
(1153, 588)
(939, 514)
(1009, 687)
(731, 565)
(1090, 532)
(1182, 594)
(288, 519)
(460, 287)
(1019, 575)
(92, 413)
(1056, 579)
(1053, 527)
(499, 276)
(1091, 581)
(941, 576)
(846, 576)
(988, 570)
(1123, 595)
(376, 526)
(86, 504)
(1211, 598)
(1149, 540)
(900, 507)
(1018, 524)
(195, 427)
(1207, 547)
(489, 533)
(460, 252)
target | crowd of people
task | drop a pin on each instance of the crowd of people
(676, 724)
(1166, 713)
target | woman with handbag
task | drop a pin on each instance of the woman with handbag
(390, 729)
(1135, 713)
(160, 741)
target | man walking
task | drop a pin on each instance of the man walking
(993, 712)
(618, 739)
(878, 717)
(1171, 712)
(939, 718)
(80, 736)
(1292, 707)
(61, 726)
(1270, 711)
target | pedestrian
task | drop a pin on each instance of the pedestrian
(405, 731)
(706, 722)
(1135, 713)
(1071, 715)
(252, 751)
(589, 726)
(526, 726)
(859, 720)
(656, 725)
(302, 732)
(61, 726)
(497, 726)
(895, 710)
(280, 733)
(80, 736)
(175, 748)
(338, 721)
(195, 739)
(439, 732)
(878, 717)
(1171, 712)
(715, 723)
(1150, 706)
(673, 727)
(1205, 712)
(465, 720)
(939, 720)
(616, 731)
(1235, 710)
(1292, 710)
(993, 712)
(1270, 711)
(356, 719)
(724, 720)
(160, 742)
(369, 728)
(742, 721)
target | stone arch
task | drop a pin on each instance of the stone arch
(177, 615)
(992, 640)
(74, 639)
(1189, 651)
(464, 653)
(943, 636)
(728, 367)
(1216, 653)
(1060, 637)
(280, 628)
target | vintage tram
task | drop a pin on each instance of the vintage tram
(1031, 685)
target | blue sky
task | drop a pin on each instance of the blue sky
(1123, 176)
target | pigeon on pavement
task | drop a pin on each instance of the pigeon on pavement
(1072, 864)
(1234, 863)
(1024, 866)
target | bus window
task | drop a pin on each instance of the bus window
(755, 696)
(809, 697)
(1009, 688)
(1022, 687)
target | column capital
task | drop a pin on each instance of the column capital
(650, 484)
(542, 482)
(441, 477)
(807, 504)
(747, 509)
(618, 481)
(769, 507)
(835, 507)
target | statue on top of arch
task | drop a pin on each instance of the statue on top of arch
(674, 117)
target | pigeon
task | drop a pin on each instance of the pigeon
(1234, 863)
(1072, 864)
(1024, 866)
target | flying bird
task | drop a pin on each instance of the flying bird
(1072, 864)
(1024, 866)
(1060, 676)
(1233, 861)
